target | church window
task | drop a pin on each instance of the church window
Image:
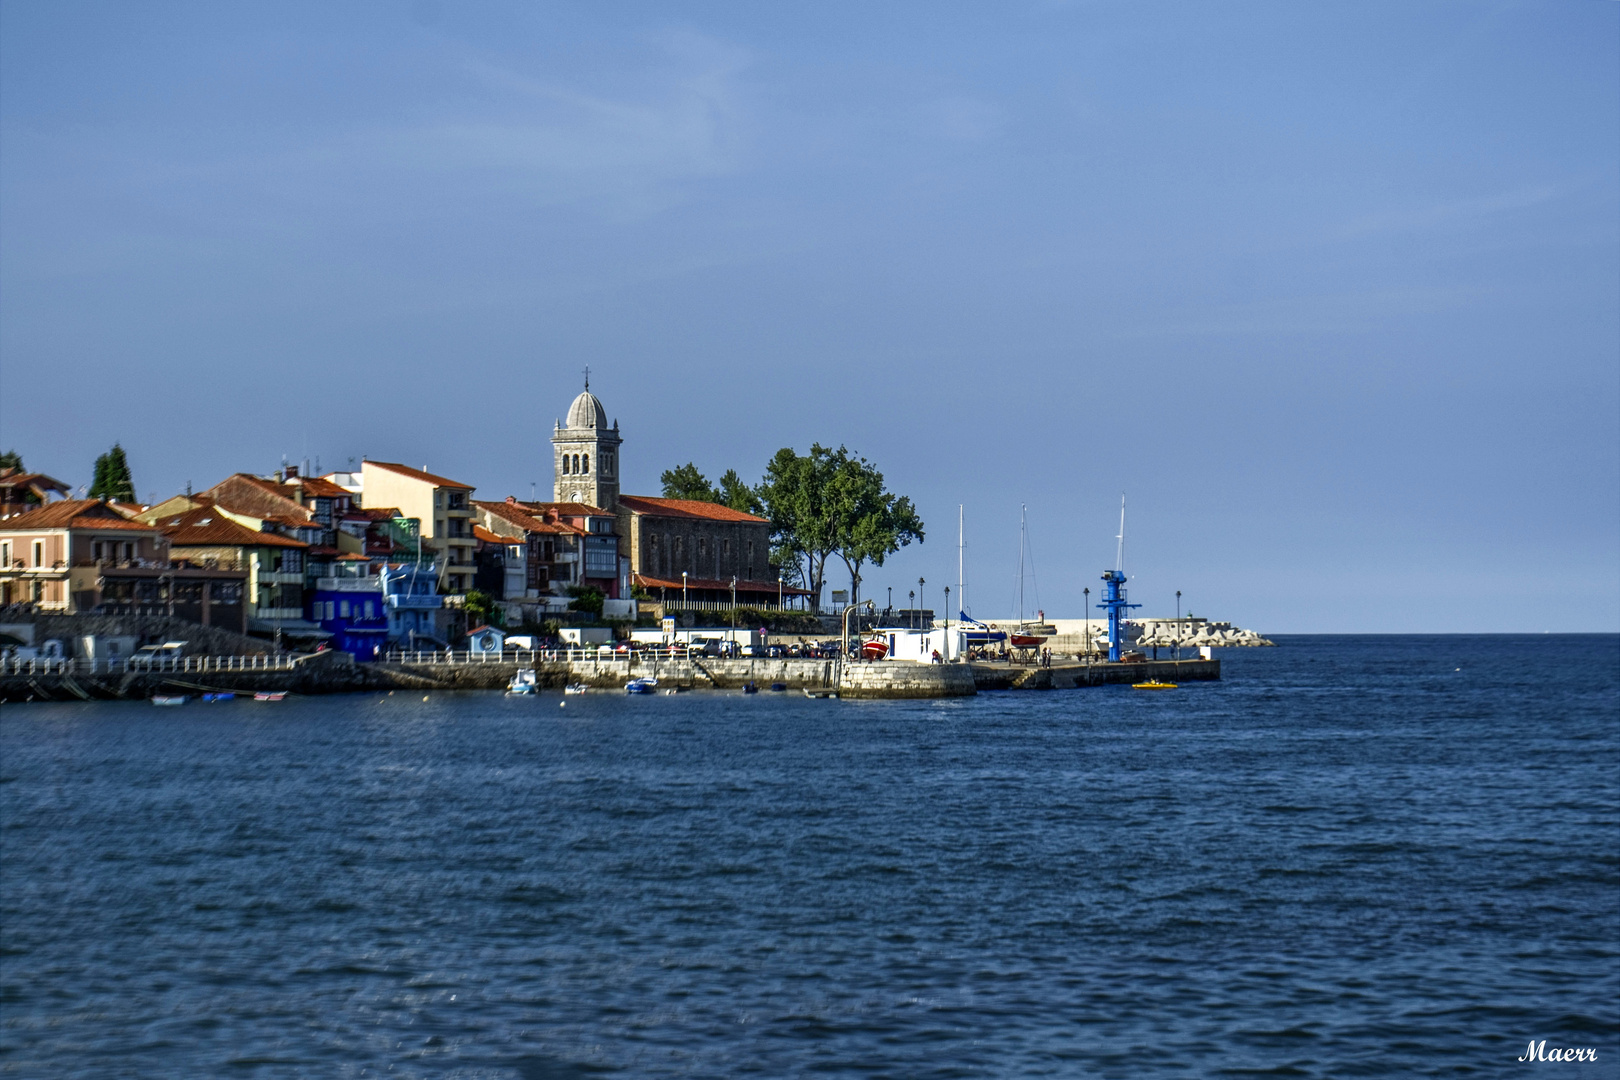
(565, 465)
(576, 463)
(587, 467)
(703, 548)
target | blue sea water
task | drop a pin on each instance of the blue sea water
(1354, 856)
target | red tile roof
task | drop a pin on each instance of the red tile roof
(207, 527)
(73, 514)
(686, 508)
(323, 488)
(481, 533)
(244, 493)
(712, 583)
(10, 478)
(418, 474)
(572, 509)
(519, 514)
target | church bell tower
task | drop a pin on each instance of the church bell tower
(585, 454)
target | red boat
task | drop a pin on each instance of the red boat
(874, 649)
(1025, 641)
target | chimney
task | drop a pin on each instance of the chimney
(289, 471)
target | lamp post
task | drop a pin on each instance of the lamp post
(890, 605)
(1087, 606)
(780, 581)
(683, 590)
(947, 624)
(920, 600)
(734, 601)
(912, 597)
(1177, 653)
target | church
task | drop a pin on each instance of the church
(686, 554)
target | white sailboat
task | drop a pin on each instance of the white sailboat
(1027, 635)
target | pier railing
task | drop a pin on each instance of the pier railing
(55, 665)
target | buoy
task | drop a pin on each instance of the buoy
(562, 704)
(424, 697)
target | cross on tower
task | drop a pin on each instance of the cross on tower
(587, 376)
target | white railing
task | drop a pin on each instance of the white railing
(168, 664)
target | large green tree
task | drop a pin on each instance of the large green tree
(831, 502)
(11, 460)
(685, 482)
(113, 480)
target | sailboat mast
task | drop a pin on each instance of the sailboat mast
(961, 597)
(1022, 510)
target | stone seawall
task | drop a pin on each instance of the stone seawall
(996, 676)
(334, 672)
(895, 679)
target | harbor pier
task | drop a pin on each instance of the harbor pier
(335, 672)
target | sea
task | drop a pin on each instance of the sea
(1352, 856)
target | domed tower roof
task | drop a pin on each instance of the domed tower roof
(587, 412)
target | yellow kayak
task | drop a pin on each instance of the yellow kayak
(1153, 684)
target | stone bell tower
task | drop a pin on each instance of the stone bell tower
(585, 454)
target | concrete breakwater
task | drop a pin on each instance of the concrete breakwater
(335, 672)
(997, 676)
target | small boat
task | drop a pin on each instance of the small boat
(778, 687)
(821, 693)
(524, 682)
(641, 686)
(219, 697)
(874, 649)
(170, 699)
(750, 688)
(671, 692)
(269, 695)
(575, 688)
(1153, 684)
(1025, 641)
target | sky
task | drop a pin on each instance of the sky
(1330, 292)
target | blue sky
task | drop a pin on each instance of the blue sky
(1332, 291)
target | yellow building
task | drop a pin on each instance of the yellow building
(443, 506)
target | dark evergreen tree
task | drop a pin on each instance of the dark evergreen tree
(11, 460)
(113, 480)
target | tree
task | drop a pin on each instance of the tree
(685, 482)
(738, 495)
(874, 522)
(113, 480)
(11, 460)
(481, 609)
(829, 502)
(587, 599)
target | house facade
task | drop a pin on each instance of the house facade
(82, 555)
(444, 508)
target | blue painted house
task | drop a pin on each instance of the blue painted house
(349, 604)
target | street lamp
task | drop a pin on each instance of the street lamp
(920, 600)
(683, 590)
(890, 605)
(947, 624)
(1087, 624)
(780, 581)
(734, 601)
(912, 597)
(1177, 653)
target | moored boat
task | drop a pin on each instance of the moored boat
(170, 699)
(575, 688)
(641, 686)
(523, 682)
(1154, 684)
(269, 695)
(874, 649)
